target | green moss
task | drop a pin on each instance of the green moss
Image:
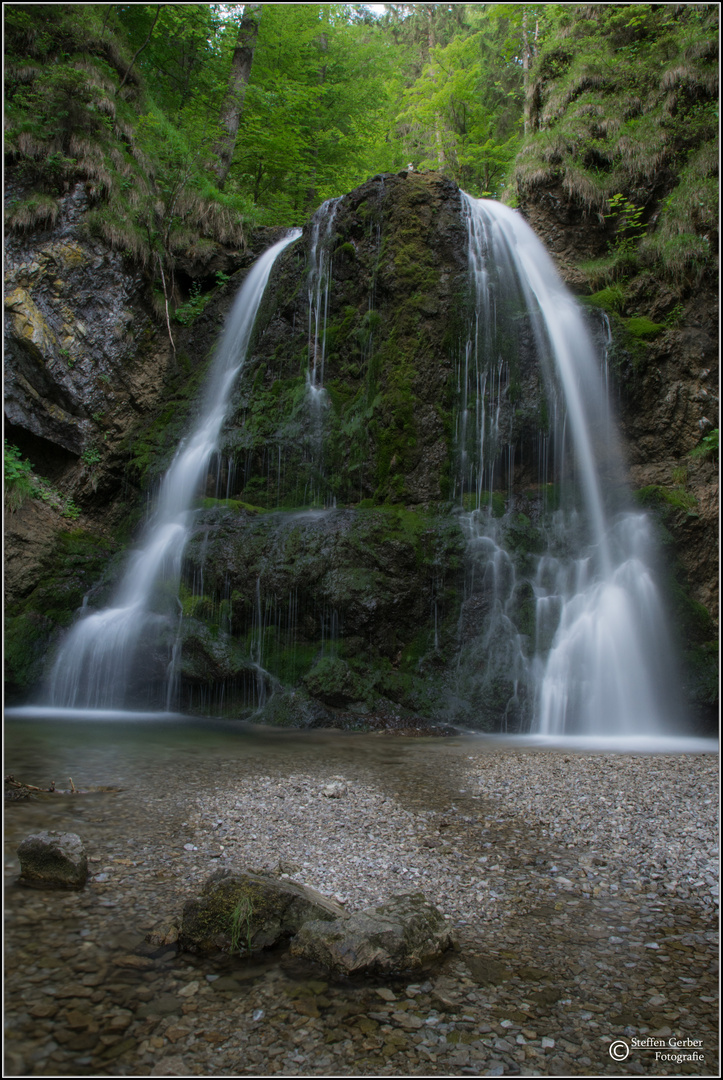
(233, 505)
(494, 500)
(641, 327)
(667, 498)
(26, 641)
(610, 299)
(703, 668)
(522, 536)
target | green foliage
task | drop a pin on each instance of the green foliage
(19, 482)
(629, 225)
(707, 447)
(620, 97)
(241, 925)
(667, 498)
(188, 312)
(463, 112)
(91, 456)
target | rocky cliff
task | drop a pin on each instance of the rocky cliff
(357, 608)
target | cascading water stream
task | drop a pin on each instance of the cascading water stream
(599, 661)
(95, 662)
(318, 290)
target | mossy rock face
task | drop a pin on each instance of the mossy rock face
(74, 566)
(341, 603)
(380, 428)
(244, 912)
(332, 681)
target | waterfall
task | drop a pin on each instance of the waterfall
(318, 290)
(107, 649)
(594, 656)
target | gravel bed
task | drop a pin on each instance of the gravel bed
(578, 887)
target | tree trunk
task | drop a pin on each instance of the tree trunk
(527, 52)
(243, 57)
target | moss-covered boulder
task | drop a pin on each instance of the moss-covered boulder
(244, 912)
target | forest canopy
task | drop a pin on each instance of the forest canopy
(191, 123)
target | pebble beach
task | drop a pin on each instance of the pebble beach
(581, 888)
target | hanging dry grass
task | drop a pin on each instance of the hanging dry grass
(534, 176)
(199, 249)
(21, 73)
(30, 146)
(692, 77)
(123, 130)
(39, 211)
(120, 233)
(580, 187)
(641, 159)
(702, 50)
(95, 77)
(610, 125)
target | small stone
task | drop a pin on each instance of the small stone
(547, 1043)
(335, 790)
(73, 990)
(43, 1010)
(171, 1066)
(385, 994)
(190, 989)
(130, 960)
(176, 1032)
(76, 1019)
(164, 934)
(119, 1021)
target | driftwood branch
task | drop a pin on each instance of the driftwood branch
(17, 789)
(13, 783)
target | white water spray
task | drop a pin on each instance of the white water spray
(96, 661)
(601, 661)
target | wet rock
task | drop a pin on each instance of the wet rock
(243, 912)
(165, 933)
(406, 932)
(487, 972)
(53, 860)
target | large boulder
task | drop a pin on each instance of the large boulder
(405, 932)
(53, 860)
(243, 912)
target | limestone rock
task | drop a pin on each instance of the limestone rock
(53, 860)
(405, 932)
(243, 912)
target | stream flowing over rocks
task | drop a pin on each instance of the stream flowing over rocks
(581, 889)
